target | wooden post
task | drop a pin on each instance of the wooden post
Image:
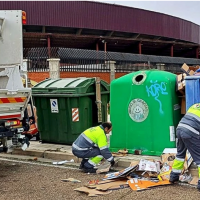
(97, 46)
(172, 50)
(197, 52)
(49, 46)
(105, 47)
(98, 98)
(140, 47)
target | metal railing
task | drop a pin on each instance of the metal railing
(80, 60)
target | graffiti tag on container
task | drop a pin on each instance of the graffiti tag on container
(155, 90)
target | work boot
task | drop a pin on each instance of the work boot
(198, 186)
(89, 170)
(174, 177)
(82, 163)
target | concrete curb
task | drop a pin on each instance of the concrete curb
(46, 154)
(55, 152)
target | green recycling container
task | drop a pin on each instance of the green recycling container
(66, 107)
(145, 111)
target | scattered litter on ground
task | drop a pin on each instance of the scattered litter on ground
(113, 185)
(194, 180)
(33, 159)
(92, 192)
(120, 153)
(121, 173)
(146, 165)
(164, 175)
(124, 151)
(92, 183)
(133, 163)
(60, 149)
(140, 175)
(62, 162)
(71, 180)
(169, 155)
(104, 167)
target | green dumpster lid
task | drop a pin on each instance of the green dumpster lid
(80, 85)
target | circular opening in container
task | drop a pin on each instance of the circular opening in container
(139, 78)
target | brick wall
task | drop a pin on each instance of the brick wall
(40, 76)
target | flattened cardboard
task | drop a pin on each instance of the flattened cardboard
(71, 180)
(94, 183)
(194, 181)
(111, 180)
(104, 167)
(91, 192)
(141, 173)
(119, 187)
(121, 173)
(134, 163)
(146, 165)
(137, 185)
(111, 185)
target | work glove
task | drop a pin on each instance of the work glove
(112, 162)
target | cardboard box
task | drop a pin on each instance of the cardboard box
(183, 105)
(168, 158)
(179, 82)
(169, 155)
(187, 70)
(183, 80)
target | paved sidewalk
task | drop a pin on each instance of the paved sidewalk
(64, 152)
(47, 152)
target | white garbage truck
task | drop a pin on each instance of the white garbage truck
(14, 97)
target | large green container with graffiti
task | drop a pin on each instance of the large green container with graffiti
(145, 111)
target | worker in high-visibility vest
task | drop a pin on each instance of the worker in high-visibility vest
(188, 134)
(92, 146)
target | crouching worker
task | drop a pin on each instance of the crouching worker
(188, 134)
(92, 146)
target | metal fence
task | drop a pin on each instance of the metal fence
(80, 60)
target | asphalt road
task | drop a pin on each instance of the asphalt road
(24, 181)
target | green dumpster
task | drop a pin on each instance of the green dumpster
(145, 111)
(66, 107)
